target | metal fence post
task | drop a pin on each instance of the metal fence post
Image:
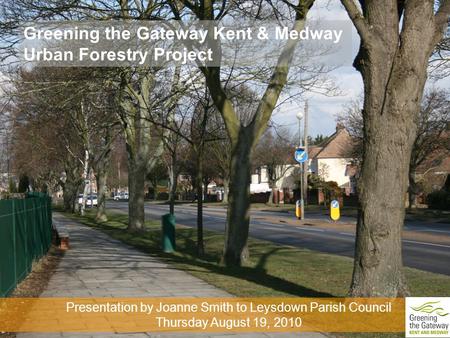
(14, 241)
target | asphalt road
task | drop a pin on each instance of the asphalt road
(421, 254)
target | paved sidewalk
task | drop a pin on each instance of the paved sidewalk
(98, 266)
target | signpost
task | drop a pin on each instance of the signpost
(335, 213)
(301, 155)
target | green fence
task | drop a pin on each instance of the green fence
(25, 236)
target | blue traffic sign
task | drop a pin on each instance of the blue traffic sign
(334, 204)
(301, 155)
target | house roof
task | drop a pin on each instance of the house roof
(339, 145)
(313, 151)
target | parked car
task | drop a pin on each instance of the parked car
(91, 200)
(121, 196)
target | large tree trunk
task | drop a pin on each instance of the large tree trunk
(205, 188)
(238, 217)
(382, 190)
(136, 181)
(155, 189)
(243, 137)
(87, 184)
(101, 171)
(173, 182)
(199, 190)
(70, 188)
(392, 101)
(226, 187)
(70, 191)
(273, 190)
(397, 39)
(101, 195)
(137, 130)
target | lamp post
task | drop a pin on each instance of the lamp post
(300, 144)
(305, 145)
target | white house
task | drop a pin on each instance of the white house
(260, 181)
(332, 161)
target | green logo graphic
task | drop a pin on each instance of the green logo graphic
(431, 307)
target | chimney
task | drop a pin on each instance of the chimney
(339, 126)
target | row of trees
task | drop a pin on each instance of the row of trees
(154, 108)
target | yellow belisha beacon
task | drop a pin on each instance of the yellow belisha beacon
(335, 213)
(298, 209)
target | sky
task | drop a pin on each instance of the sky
(323, 109)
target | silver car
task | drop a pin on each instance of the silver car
(91, 200)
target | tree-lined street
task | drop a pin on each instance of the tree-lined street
(208, 131)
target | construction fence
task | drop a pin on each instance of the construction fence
(25, 236)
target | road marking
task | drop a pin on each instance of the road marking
(409, 241)
(429, 230)
(271, 226)
(425, 243)
(308, 229)
(215, 218)
(287, 227)
(277, 229)
(268, 224)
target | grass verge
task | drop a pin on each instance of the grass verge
(273, 270)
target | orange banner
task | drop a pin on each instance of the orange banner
(202, 314)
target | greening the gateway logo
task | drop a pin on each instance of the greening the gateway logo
(431, 307)
(427, 317)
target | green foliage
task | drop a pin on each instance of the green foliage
(439, 199)
(162, 196)
(317, 140)
(24, 184)
(447, 184)
(330, 189)
(158, 175)
(314, 181)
